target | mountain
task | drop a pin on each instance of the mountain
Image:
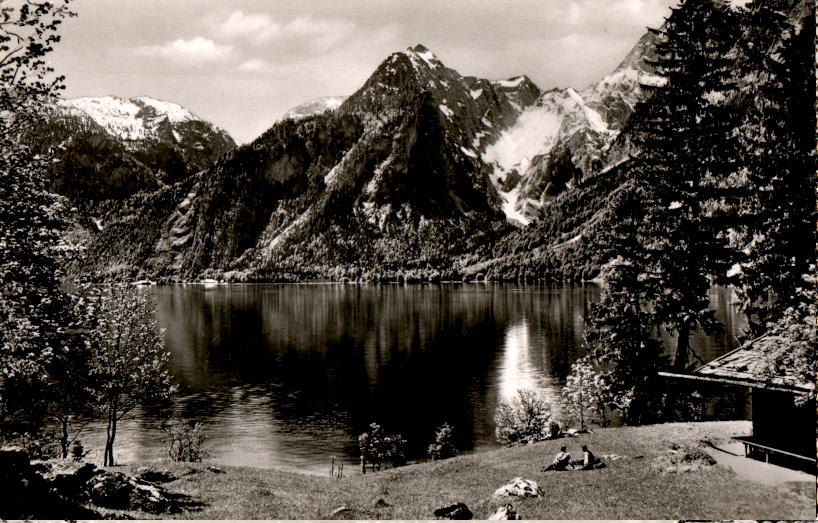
(391, 180)
(422, 173)
(572, 220)
(112, 148)
(313, 107)
(566, 135)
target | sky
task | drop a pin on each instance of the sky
(242, 64)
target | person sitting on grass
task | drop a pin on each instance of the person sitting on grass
(561, 460)
(589, 461)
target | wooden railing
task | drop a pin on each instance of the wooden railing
(749, 444)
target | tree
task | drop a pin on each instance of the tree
(443, 446)
(70, 401)
(774, 238)
(185, 441)
(128, 358)
(377, 447)
(28, 33)
(686, 146)
(797, 327)
(524, 418)
(587, 392)
(624, 356)
(32, 306)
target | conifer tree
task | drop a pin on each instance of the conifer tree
(774, 238)
(685, 144)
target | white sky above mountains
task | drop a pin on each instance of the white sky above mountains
(243, 63)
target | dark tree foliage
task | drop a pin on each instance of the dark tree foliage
(32, 306)
(621, 330)
(721, 189)
(775, 236)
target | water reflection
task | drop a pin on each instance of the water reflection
(287, 375)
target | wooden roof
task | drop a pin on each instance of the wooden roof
(748, 366)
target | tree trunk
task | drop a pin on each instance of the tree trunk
(682, 348)
(64, 437)
(111, 444)
(107, 442)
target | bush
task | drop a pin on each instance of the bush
(379, 448)
(185, 441)
(688, 458)
(523, 419)
(78, 451)
(443, 446)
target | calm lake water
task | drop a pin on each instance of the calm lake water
(286, 376)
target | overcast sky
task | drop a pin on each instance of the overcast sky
(242, 63)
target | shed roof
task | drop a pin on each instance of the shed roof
(748, 365)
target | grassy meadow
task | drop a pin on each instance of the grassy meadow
(632, 486)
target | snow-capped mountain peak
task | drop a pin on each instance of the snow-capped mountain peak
(314, 106)
(128, 118)
(511, 82)
(420, 55)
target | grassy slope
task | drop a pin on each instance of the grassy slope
(627, 489)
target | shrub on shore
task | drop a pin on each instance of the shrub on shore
(185, 441)
(443, 446)
(524, 418)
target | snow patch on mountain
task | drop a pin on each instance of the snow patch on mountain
(468, 152)
(510, 202)
(372, 185)
(535, 130)
(174, 112)
(420, 55)
(511, 82)
(313, 107)
(129, 119)
(429, 58)
(593, 117)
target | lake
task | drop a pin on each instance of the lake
(286, 376)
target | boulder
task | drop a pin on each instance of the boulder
(456, 511)
(110, 490)
(27, 494)
(505, 512)
(70, 479)
(116, 490)
(519, 487)
(381, 503)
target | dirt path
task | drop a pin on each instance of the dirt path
(731, 455)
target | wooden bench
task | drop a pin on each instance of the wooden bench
(750, 445)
